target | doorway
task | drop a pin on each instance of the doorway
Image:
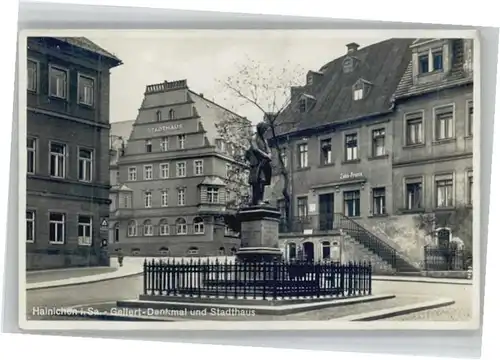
(326, 212)
(117, 233)
(308, 248)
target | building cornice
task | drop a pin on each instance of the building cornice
(68, 117)
(424, 161)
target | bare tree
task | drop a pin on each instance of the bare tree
(269, 90)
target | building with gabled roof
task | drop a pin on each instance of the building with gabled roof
(171, 189)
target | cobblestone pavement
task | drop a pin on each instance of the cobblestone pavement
(460, 311)
(54, 275)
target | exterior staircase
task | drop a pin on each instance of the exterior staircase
(374, 244)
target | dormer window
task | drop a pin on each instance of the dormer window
(430, 61)
(360, 89)
(310, 79)
(348, 64)
(302, 105)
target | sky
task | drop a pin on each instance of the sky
(208, 57)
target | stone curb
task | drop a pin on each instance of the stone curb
(397, 311)
(425, 280)
(78, 281)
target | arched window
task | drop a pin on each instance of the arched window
(292, 251)
(443, 238)
(233, 251)
(132, 228)
(222, 251)
(199, 226)
(181, 226)
(193, 250)
(148, 228)
(326, 249)
(171, 114)
(164, 228)
(164, 251)
(158, 115)
(116, 232)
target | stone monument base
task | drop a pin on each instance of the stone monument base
(259, 234)
(259, 254)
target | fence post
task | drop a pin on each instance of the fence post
(275, 280)
(349, 284)
(145, 276)
(369, 278)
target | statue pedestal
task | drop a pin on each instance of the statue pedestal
(259, 234)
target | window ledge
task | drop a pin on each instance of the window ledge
(430, 73)
(56, 243)
(88, 106)
(444, 208)
(355, 161)
(55, 97)
(378, 215)
(379, 157)
(326, 165)
(443, 141)
(468, 137)
(413, 146)
(304, 168)
(412, 211)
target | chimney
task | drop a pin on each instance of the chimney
(352, 47)
(201, 95)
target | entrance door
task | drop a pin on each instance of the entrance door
(308, 251)
(117, 233)
(326, 212)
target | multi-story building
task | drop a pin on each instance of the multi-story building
(375, 137)
(67, 151)
(172, 191)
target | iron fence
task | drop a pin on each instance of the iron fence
(256, 280)
(446, 259)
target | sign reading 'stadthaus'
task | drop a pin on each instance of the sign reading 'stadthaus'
(164, 128)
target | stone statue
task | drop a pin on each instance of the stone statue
(259, 157)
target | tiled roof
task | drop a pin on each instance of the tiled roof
(456, 77)
(381, 64)
(86, 44)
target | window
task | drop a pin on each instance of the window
(351, 203)
(164, 198)
(181, 169)
(302, 105)
(213, 195)
(164, 143)
(58, 82)
(117, 232)
(325, 245)
(358, 94)
(443, 118)
(423, 64)
(292, 251)
(171, 114)
(56, 228)
(57, 160)
(444, 191)
(437, 60)
(84, 230)
(351, 147)
(181, 226)
(149, 146)
(181, 140)
(470, 189)
(199, 226)
(147, 199)
(192, 251)
(148, 228)
(228, 170)
(430, 61)
(284, 157)
(413, 194)
(30, 226)
(132, 228)
(181, 197)
(310, 79)
(85, 165)
(281, 205)
(132, 173)
(164, 171)
(164, 227)
(32, 76)
(378, 195)
(158, 115)
(378, 142)
(326, 151)
(414, 129)
(198, 167)
(470, 118)
(125, 201)
(85, 90)
(31, 154)
(302, 207)
(148, 172)
(303, 156)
